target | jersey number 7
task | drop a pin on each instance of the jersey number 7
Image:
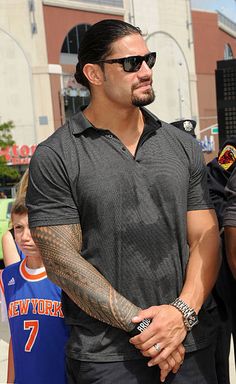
(33, 326)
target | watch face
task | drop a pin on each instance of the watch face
(192, 320)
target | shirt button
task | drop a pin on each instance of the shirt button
(123, 149)
(109, 136)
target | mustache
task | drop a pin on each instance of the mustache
(141, 82)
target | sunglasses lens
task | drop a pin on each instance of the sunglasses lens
(132, 64)
(151, 59)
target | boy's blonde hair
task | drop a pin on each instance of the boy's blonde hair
(19, 206)
(23, 185)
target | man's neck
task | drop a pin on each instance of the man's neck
(125, 123)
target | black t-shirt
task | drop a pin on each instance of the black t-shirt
(132, 211)
(230, 209)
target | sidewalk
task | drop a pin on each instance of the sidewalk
(232, 366)
(4, 340)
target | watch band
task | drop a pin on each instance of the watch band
(182, 307)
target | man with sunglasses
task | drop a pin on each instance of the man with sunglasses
(119, 207)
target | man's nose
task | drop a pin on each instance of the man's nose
(144, 69)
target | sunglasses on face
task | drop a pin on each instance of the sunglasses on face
(133, 63)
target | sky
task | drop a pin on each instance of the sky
(227, 7)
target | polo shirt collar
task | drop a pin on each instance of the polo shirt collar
(151, 121)
(79, 123)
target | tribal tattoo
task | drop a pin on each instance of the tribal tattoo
(60, 248)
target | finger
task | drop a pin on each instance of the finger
(181, 350)
(148, 344)
(164, 371)
(160, 357)
(144, 314)
(153, 351)
(178, 355)
(171, 361)
(175, 360)
(163, 375)
(145, 340)
(164, 366)
(148, 349)
(177, 367)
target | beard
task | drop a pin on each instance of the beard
(145, 99)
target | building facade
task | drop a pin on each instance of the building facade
(62, 39)
(25, 92)
(39, 40)
(214, 38)
(168, 29)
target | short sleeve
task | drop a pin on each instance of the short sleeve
(49, 196)
(230, 209)
(3, 307)
(198, 192)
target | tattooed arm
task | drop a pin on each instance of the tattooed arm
(60, 249)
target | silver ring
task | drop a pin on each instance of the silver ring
(157, 347)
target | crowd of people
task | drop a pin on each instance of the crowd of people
(113, 264)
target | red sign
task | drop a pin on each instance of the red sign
(18, 154)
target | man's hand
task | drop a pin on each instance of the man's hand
(172, 363)
(167, 330)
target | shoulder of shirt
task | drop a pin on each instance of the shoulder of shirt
(58, 134)
(171, 129)
(74, 126)
(185, 140)
(11, 268)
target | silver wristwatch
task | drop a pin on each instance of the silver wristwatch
(189, 315)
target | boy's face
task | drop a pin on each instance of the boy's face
(23, 236)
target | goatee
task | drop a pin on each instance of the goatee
(143, 100)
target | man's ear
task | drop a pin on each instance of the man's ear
(94, 73)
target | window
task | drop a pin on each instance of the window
(228, 53)
(72, 40)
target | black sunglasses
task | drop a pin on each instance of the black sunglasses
(133, 63)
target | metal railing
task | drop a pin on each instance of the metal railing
(226, 21)
(112, 3)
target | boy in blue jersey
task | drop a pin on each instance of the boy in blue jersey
(38, 331)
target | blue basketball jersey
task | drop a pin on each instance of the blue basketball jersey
(37, 325)
(21, 254)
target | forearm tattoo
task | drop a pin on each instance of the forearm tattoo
(60, 249)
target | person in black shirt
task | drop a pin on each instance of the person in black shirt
(230, 222)
(219, 172)
(119, 207)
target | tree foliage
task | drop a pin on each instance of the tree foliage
(8, 174)
(6, 139)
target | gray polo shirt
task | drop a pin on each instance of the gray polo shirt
(132, 211)
(230, 209)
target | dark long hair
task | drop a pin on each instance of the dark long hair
(97, 41)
